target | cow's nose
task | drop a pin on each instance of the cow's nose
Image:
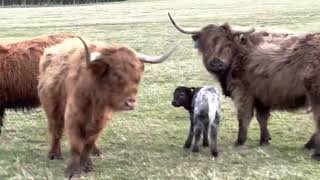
(174, 103)
(131, 103)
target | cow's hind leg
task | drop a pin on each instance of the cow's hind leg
(315, 139)
(2, 110)
(77, 145)
(56, 126)
(312, 84)
(262, 114)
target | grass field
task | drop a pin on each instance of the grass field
(147, 143)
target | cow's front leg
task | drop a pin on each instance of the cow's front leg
(245, 113)
(86, 162)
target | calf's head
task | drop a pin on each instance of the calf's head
(214, 41)
(116, 73)
(182, 96)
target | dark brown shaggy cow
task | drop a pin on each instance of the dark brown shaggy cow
(276, 72)
(81, 87)
(19, 69)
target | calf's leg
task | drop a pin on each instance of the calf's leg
(198, 129)
(188, 142)
(214, 127)
(205, 135)
(214, 139)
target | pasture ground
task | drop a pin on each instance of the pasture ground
(147, 143)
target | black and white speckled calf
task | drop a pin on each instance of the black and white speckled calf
(204, 106)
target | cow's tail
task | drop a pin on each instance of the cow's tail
(214, 106)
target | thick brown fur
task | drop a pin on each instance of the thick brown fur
(81, 97)
(19, 70)
(267, 72)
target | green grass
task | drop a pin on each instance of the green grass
(147, 143)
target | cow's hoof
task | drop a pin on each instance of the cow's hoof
(195, 149)
(316, 157)
(187, 145)
(205, 144)
(264, 142)
(87, 166)
(96, 152)
(309, 145)
(215, 153)
(238, 143)
(72, 172)
(55, 156)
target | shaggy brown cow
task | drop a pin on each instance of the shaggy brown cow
(80, 88)
(266, 73)
(19, 69)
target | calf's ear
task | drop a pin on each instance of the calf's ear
(192, 90)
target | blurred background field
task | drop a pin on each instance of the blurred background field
(147, 143)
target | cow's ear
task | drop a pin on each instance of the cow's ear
(226, 27)
(97, 63)
(96, 56)
(242, 39)
(36, 51)
(3, 49)
(99, 68)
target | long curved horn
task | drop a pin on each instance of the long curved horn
(184, 30)
(155, 59)
(244, 32)
(86, 50)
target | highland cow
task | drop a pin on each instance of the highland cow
(80, 87)
(204, 106)
(19, 69)
(266, 73)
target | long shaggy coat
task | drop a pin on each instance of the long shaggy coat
(19, 70)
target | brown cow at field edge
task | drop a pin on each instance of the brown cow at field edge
(19, 70)
(80, 87)
(265, 73)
